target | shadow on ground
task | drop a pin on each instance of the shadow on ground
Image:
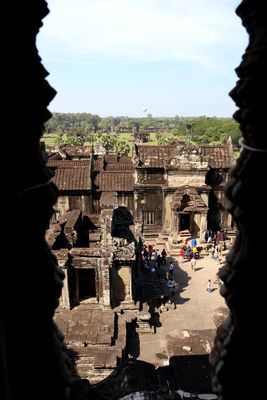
(187, 373)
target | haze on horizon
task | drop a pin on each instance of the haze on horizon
(119, 57)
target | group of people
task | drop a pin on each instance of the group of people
(216, 236)
(215, 242)
(216, 250)
(189, 250)
(150, 254)
(155, 261)
(172, 286)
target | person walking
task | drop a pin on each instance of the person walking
(163, 257)
(150, 250)
(209, 286)
(171, 267)
(158, 262)
(193, 263)
(181, 255)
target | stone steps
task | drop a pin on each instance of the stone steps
(99, 375)
(160, 241)
(93, 353)
(143, 318)
(82, 360)
(95, 364)
(143, 327)
(90, 305)
(130, 306)
(82, 365)
(151, 235)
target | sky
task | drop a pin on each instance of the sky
(134, 57)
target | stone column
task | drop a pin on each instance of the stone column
(191, 224)
(203, 226)
(136, 206)
(105, 278)
(62, 258)
(175, 223)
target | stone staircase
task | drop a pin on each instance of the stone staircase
(82, 364)
(93, 364)
(92, 339)
(151, 235)
(143, 318)
(172, 249)
(160, 241)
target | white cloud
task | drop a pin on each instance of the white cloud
(140, 30)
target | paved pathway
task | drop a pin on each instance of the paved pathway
(190, 327)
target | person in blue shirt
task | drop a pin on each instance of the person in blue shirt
(171, 267)
(193, 243)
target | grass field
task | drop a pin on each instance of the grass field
(49, 139)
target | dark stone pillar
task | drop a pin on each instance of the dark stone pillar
(240, 341)
(33, 362)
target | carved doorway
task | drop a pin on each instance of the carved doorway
(184, 222)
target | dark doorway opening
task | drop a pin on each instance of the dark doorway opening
(86, 283)
(184, 222)
(214, 213)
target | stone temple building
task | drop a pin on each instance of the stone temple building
(99, 259)
(169, 188)
(34, 361)
(107, 206)
(180, 187)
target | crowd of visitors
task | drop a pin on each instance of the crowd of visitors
(159, 266)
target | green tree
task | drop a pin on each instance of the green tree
(69, 139)
(122, 147)
(108, 141)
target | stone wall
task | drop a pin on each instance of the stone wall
(178, 178)
(167, 212)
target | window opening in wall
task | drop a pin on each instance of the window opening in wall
(163, 178)
(86, 283)
(148, 217)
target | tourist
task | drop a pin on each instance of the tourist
(193, 263)
(188, 252)
(193, 243)
(158, 261)
(209, 242)
(181, 255)
(171, 267)
(209, 286)
(150, 250)
(195, 252)
(163, 256)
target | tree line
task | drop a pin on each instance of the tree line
(117, 133)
